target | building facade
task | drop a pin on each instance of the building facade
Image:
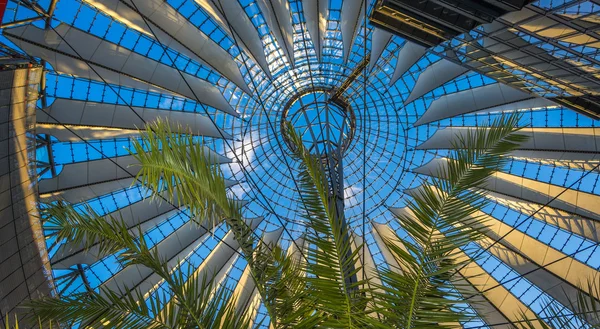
(546, 48)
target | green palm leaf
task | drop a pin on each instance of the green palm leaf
(174, 161)
(191, 302)
(585, 310)
(442, 220)
(321, 291)
(340, 297)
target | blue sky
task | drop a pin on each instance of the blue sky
(384, 142)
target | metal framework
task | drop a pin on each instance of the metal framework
(432, 22)
(233, 70)
(44, 142)
(542, 49)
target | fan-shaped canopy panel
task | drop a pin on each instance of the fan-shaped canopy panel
(233, 71)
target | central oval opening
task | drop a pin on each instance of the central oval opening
(326, 125)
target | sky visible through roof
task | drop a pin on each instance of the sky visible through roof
(384, 144)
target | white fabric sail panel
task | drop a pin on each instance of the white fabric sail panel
(506, 305)
(432, 168)
(278, 17)
(481, 305)
(554, 272)
(569, 200)
(181, 242)
(435, 75)
(407, 57)
(579, 225)
(244, 290)
(87, 173)
(201, 48)
(271, 238)
(161, 14)
(75, 254)
(69, 254)
(571, 160)
(139, 72)
(79, 133)
(215, 261)
(43, 43)
(382, 234)
(221, 253)
(84, 192)
(122, 13)
(71, 133)
(297, 249)
(351, 17)
(81, 193)
(252, 309)
(175, 248)
(547, 139)
(221, 277)
(76, 112)
(126, 15)
(563, 139)
(527, 255)
(471, 100)
(379, 40)
(399, 212)
(364, 253)
(69, 65)
(527, 104)
(580, 203)
(316, 13)
(503, 300)
(213, 9)
(243, 30)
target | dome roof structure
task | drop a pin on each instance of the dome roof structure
(233, 71)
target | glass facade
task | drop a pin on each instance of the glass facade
(110, 70)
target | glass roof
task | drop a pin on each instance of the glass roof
(382, 153)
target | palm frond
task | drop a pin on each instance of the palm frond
(442, 220)
(284, 290)
(84, 227)
(190, 302)
(340, 297)
(323, 291)
(582, 312)
(36, 323)
(133, 309)
(106, 308)
(175, 161)
(213, 307)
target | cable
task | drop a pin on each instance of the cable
(133, 176)
(142, 119)
(364, 153)
(214, 123)
(532, 320)
(528, 217)
(539, 267)
(199, 102)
